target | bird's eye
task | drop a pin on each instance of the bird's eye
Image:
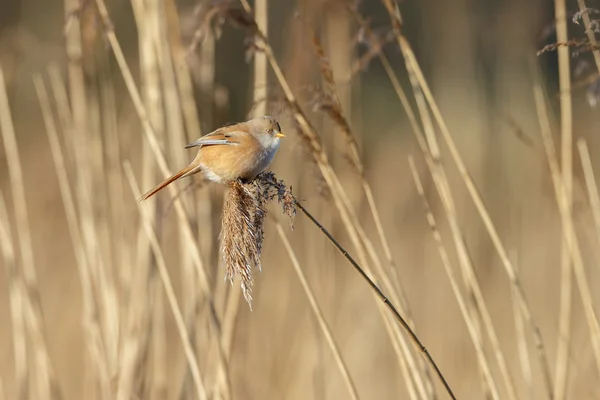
(270, 131)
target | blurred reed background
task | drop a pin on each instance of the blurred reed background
(450, 159)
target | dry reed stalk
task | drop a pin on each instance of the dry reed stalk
(204, 70)
(97, 191)
(15, 297)
(91, 321)
(136, 343)
(399, 342)
(219, 378)
(107, 284)
(431, 152)
(432, 144)
(168, 286)
(158, 382)
(176, 140)
(112, 167)
(411, 61)
(332, 106)
(432, 155)
(63, 108)
(199, 205)
(569, 231)
(566, 274)
(318, 315)
(152, 138)
(74, 52)
(588, 30)
(522, 347)
(84, 134)
(137, 340)
(340, 198)
(460, 298)
(162, 102)
(590, 181)
(477, 304)
(191, 118)
(479, 309)
(160, 158)
(335, 28)
(201, 200)
(207, 71)
(44, 377)
(79, 135)
(524, 357)
(230, 312)
(260, 82)
(61, 160)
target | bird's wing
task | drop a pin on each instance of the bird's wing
(218, 137)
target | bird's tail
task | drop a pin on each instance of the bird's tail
(187, 170)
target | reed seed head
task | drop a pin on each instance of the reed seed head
(242, 232)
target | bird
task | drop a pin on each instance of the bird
(236, 151)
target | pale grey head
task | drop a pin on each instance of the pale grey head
(267, 131)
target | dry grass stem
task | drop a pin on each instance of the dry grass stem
(331, 105)
(431, 154)
(569, 230)
(589, 31)
(153, 141)
(45, 381)
(590, 181)
(413, 65)
(479, 311)
(168, 286)
(15, 296)
(91, 321)
(566, 120)
(314, 305)
(460, 298)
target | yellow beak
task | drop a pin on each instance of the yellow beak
(280, 135)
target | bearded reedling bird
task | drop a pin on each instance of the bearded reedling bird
(235, 151)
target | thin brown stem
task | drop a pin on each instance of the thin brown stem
(383, 299)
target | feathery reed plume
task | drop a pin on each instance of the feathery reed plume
(243, 217)
(239, 237)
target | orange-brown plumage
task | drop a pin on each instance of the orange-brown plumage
(241, 150)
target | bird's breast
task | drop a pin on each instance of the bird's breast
(226, 163)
